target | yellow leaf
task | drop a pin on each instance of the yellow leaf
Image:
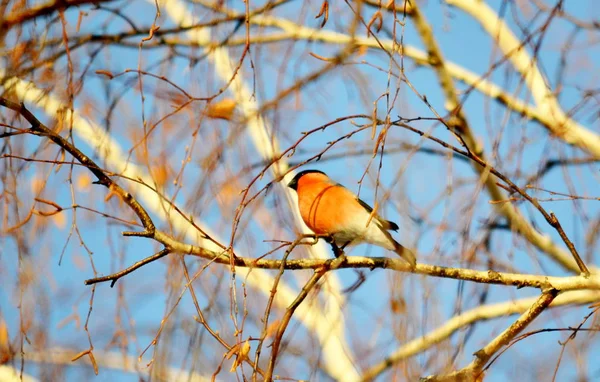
(59, 220)
(229, 193)
(221, 110)
(37, 185)
(160, 173)
(245, 350)
(242, 354)
(84, 181)
(3, 335)
(398, 306)
(362, 50)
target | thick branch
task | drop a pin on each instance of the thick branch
(40, 10)
(484, 277)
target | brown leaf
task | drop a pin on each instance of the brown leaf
(93, 361)
(59, 220)
(324, 12)
(272, 329)
(242, 354)
(160, 173)
(37, 185)
(229, 192)
(221, 110)
(377, 18)
(398, 306)
(106, 73)
(17, 53)
(83, 182)
(4, 344)
(362, 50)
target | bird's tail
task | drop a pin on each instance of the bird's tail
(405, 253)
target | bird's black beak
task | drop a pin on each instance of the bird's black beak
(293, 184)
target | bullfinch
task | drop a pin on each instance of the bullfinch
(330, 209)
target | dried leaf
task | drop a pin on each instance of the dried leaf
(106, 73)
(362, 50)
(229, 193)
(80, 19)
(111, 193)
(374, 119)
(4, 344)
(37, 185)
(242, 354)
(398, 306)
(324, 12)
(17, 53)
(221, 110)
(377, 18)
(59, 220)
(93, 361)
(79, 355)
(321, 57)
(160, 173)
(153, 29)
(84, 181)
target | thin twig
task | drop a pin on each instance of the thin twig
(292, 308)
(115, 276)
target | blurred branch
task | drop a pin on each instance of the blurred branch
(475, 151)
(552, 163)
(111, 360)
(320, 272)
(472, 372)
(338, 360)
(513, 213)
(39, 129)
(562, 126)
(465, 319)
(518, 280)
(10, 374)
(300, 32)
(172, 245)
(592, 25)
(29, 14)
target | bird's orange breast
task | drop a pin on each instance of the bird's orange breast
(325, 207)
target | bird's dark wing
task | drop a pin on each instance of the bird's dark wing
(365, 205)
(385, 224)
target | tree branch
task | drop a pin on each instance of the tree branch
(40, 10)
(472, 372)
(465, 319)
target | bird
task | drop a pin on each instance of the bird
(331, 210)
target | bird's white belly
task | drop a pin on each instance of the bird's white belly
(359, 232)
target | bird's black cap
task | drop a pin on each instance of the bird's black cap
(293, 184)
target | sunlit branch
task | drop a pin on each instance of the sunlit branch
(562, 126)
(336, 355)
(465, 319)
(472, 372)
(475, 151)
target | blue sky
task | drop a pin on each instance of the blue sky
(463, 42)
